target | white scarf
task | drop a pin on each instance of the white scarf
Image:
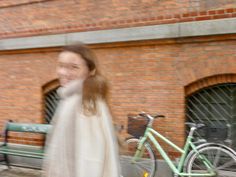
(81, 146)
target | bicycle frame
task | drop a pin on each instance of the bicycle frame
(178, 170)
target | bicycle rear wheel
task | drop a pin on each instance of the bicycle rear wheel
(144, 166)
(223, 161)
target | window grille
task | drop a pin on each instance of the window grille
(214, 106)
(51, 102)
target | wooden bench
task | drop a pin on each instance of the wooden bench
(6, 149)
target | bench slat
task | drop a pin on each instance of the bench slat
(23, 155)
(10, 149)
(31, 128)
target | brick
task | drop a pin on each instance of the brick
(221, 11)
(203, 18)
(187, 19)
(234, 15)
(221, 16)
(186, 15)
(177, 16)
(203, 13)
(193, 14)
(231, 10)
(212, 12)
(168, 17)
(160, 17)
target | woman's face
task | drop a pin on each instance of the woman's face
(71, 66)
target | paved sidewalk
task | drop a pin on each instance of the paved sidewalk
(18, 172)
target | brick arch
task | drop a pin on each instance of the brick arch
(209, 81)
(50, 86)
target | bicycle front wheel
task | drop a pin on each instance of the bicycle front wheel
(222, 160)
(144, 166)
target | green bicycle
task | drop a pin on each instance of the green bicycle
(206, 159)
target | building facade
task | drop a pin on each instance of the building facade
(160, 56)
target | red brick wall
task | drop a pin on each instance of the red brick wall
(22, 76)
(144, 76)
(31, 17)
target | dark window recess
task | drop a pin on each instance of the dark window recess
(51, 102)
(214, 106)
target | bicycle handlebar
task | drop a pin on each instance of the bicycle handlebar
(143, 114)
(149, 117)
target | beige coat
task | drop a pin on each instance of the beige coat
(81, 146)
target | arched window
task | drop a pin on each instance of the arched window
(215, 106)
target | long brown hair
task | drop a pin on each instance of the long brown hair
(95, 86)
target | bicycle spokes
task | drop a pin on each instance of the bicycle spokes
(213, 160)
(137, 163)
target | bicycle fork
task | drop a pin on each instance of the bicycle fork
(139, 153)
(140, 150)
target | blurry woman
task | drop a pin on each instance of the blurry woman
(82, 142)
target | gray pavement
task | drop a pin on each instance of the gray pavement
(18, 172)
(162, 170)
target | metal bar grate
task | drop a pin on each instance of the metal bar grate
(51, 102)
(214, 106)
